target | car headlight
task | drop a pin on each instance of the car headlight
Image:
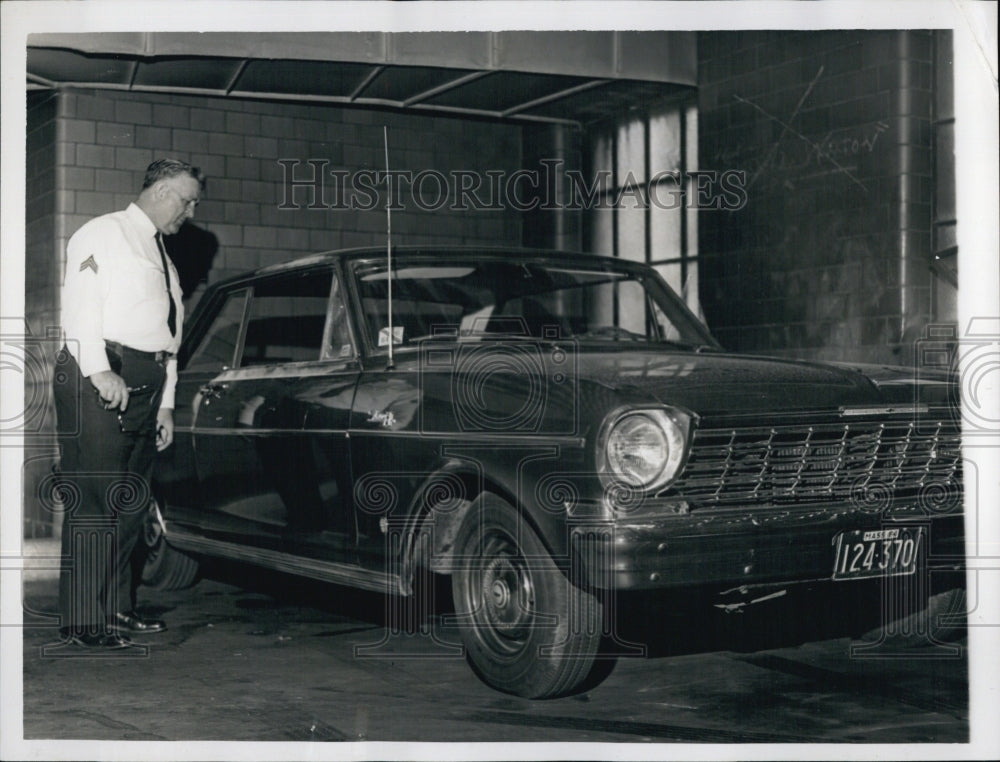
(644, 448)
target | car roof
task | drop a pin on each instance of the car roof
(372, 253)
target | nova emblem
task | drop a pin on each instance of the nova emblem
(385, 418)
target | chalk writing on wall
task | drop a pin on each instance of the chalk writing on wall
(804, 158)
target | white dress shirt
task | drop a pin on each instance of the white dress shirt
(114, 290)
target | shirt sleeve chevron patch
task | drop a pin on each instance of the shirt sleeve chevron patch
(89, 262)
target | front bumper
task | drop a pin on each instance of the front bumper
(733, 547)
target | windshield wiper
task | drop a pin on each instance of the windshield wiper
(612, 332)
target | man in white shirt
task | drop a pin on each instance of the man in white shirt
(114, 394)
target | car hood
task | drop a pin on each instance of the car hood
(728, 384)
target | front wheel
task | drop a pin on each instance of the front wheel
(527, 629)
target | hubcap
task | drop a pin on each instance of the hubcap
(508, 595)
(151, 527)
(501, 594)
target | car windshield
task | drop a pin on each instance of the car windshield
(472, 299)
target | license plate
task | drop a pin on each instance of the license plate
(861, 553)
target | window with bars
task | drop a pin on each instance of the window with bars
(640, 166)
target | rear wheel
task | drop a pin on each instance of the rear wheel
(527, 628)
(164, 567)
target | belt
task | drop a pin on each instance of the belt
(121, 350)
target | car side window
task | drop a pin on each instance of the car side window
(217, 349)
(338, 345)
(286, 318)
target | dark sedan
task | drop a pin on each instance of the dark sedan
(550, 430)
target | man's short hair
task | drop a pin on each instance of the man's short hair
(163, 168)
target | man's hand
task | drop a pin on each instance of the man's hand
(164, 428)
(112, 388)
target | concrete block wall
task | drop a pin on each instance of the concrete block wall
(829, 257)
(252, 151)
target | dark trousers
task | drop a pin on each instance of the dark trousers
(105, 468)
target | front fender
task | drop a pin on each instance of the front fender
(540, 482)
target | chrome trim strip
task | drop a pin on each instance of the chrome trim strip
(464, 437)
(326, 571)
(911, 382)
(847, 412)
(332, 367)
(233, 432)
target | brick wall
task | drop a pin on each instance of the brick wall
(829, 257)
(249, 151)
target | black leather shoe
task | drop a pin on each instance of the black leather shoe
(98, 641)
(129, 621)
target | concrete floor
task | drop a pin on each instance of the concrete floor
(257, 656)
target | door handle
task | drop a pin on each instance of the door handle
(213, 390)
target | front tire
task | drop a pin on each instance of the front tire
(527, 629)
(164, 567)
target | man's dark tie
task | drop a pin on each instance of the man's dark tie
(172, 316)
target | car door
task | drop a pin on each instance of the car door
(392, 455)
(210, 349)
(256, 465)
(324, 525)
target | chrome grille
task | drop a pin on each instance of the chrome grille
(860, 461)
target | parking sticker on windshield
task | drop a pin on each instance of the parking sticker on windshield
(397, 336)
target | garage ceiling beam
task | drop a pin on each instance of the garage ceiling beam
(236, 76)
(656, 56)
(133, 71)
(366, 81)
(451, 85)
(554, 97)
(39, 82)
(519, 76)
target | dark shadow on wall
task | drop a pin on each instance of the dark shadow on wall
(193, 251)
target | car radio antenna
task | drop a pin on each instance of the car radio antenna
(388, 240)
